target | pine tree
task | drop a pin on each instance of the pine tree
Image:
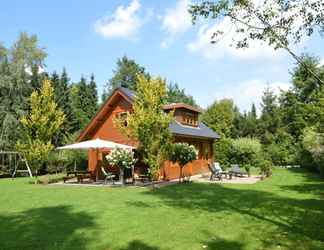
(176, 94)
(124, 76)
(93, 97)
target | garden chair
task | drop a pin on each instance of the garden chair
(219, 169)
(236, 171)
(108, 176)
(214, 173)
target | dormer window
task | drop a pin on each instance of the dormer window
(190, 119)
(184, 113)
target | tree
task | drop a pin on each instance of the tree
(63, 101)
(124, 76)
(270, 119)
(176, 94)
(220, 116)
(182, 153)
(275, 22)
(148, 123)
(17, 84)
(302, 106)
(250, 126)
(39, 126)
(92, 95)
(84, 101)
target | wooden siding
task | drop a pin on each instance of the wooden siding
(105, 129)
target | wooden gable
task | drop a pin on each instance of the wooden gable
(102, 124)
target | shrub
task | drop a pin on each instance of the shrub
(266, 168)
(313, 142)
(246, 152)
(122, 158)
(282, 149)
(222, 150)
(182, 153)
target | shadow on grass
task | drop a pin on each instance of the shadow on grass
(293, 219)
(44, 228)
(223, 244)
(138, 245)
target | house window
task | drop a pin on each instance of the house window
(189, 119)
(122, 116)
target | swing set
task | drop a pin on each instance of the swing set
(13, 163)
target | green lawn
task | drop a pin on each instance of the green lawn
(283, 212)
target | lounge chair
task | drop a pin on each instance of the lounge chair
(218, 168)
(236, 171)
(214, 173)
(108, 176)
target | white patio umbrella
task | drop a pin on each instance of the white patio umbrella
(96, 144)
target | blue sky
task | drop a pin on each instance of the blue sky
(89, 36)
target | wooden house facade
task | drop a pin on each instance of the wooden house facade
(185, 128)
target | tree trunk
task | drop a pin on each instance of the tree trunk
(36, 177)
(180, 177)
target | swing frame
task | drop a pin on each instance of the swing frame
(15, 158)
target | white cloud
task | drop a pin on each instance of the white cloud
(123, 23)
(175, 21)
(225, 46)
(247, 92)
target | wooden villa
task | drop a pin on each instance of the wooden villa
(185, 128)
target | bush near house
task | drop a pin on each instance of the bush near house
(247, 152)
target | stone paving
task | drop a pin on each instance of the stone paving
(201, 178)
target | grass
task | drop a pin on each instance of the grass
(283, 212)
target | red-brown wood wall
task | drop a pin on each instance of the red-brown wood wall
(106, 130)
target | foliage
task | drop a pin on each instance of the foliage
(39, 126)
(176, 94)
(63, 100)
(84, 101)
(220, 116)
(18, 78)
(122, 158)
(313, 142)
(265, 167)
(148, 123)
(282, 149)
(246, 151)
(222, 151)
(274, 22)
(270, 119)
(182, 153)
(73, 159)
(124, 76)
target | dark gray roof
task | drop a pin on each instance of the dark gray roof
(201, 131)
(128, 92)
